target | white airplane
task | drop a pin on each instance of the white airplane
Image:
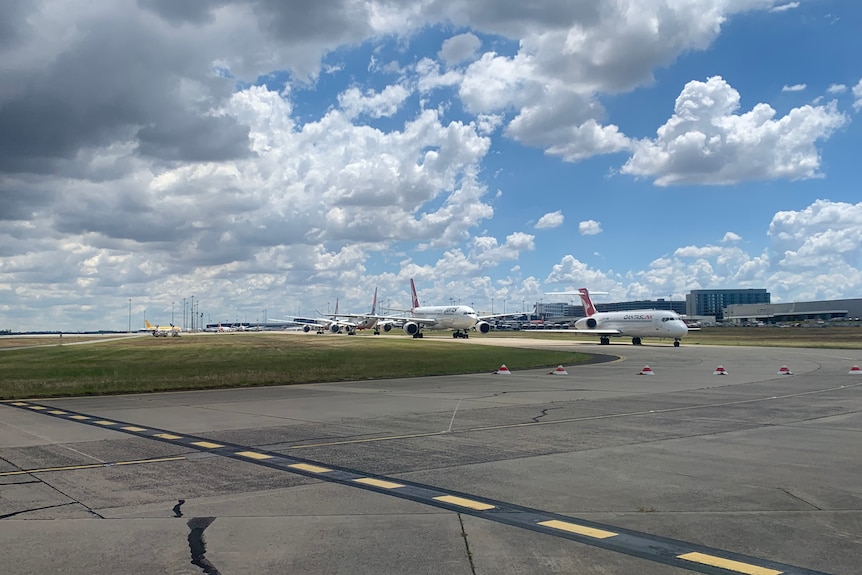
(635, 324)
(459, 318)
(364, 321)
(163, 331)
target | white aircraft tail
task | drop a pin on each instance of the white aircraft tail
(374, 303)
(589, 308)
(413, 293)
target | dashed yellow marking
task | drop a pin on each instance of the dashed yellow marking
(737, 566)
(308, 467)
(37, 407)
(79, 417)
(105, 422)
(132, 428)
(168, 436)
(57, 412)
(579, 529)
(378, 483)
(469, 503)
(19, 404)
(207, 444)
(254, 455)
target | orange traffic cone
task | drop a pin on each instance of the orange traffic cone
(647, 370)
(503, 370)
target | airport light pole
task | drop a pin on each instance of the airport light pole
(130, 315)
(172, 312)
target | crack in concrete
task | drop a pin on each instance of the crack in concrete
(197, 545)
(467, 545)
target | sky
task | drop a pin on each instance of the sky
(269, 158)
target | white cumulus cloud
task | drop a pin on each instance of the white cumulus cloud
(707, 141)
(589, 228)
(550, 220)
(794, 88)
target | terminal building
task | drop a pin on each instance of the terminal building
(711, 302)
(795, 312)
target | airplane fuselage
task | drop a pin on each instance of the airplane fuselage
(457, 317)
(636, 323)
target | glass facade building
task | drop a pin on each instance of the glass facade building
(713, 301)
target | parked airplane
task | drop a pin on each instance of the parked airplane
(163, 331)
(363, 321)
(459, 318)
(635, 324)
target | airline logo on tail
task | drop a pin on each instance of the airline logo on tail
(413, 292)
(589, 308)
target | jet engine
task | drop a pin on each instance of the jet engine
(483, 327)
(306, 328)
(591, 322)
(335, 328)
(387, 327)
(411, 328)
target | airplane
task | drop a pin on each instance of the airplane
(364, 321)
(459, 318)
(636, 324)
(160, 331)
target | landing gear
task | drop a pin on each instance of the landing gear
(636, 341)
(676, 343)
(461, 334)
(604, 340)
(418, 335)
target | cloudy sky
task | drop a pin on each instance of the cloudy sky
(279, 155)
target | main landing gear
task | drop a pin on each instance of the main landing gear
(636, 341)
(461, 334)
(676, 343)
(418, 335)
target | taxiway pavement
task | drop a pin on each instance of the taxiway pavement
(761, 466)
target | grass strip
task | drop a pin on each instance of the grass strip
(147, 364)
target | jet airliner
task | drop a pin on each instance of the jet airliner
(636, 324)
(458, 318)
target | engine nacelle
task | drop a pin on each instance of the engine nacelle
(591, 322)
(411, 328)
(335, 328)
(306, 328)
(387, 327)
(483, 327)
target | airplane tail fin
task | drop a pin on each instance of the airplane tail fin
(589, 308)
(413, 294)
(336, 306)
(149, 325)
(374, 303)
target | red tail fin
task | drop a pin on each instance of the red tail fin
(589, 308)
(374, 303)
(413, 293)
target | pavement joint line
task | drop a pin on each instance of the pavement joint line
(677, 553)
(90, 466)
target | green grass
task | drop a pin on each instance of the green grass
(146, 364)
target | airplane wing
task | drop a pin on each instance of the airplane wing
(422, 321)
(496, 315)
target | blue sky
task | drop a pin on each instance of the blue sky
(261, 156)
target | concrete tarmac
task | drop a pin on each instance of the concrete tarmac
(754, 463)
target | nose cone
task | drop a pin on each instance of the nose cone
(678, 329)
